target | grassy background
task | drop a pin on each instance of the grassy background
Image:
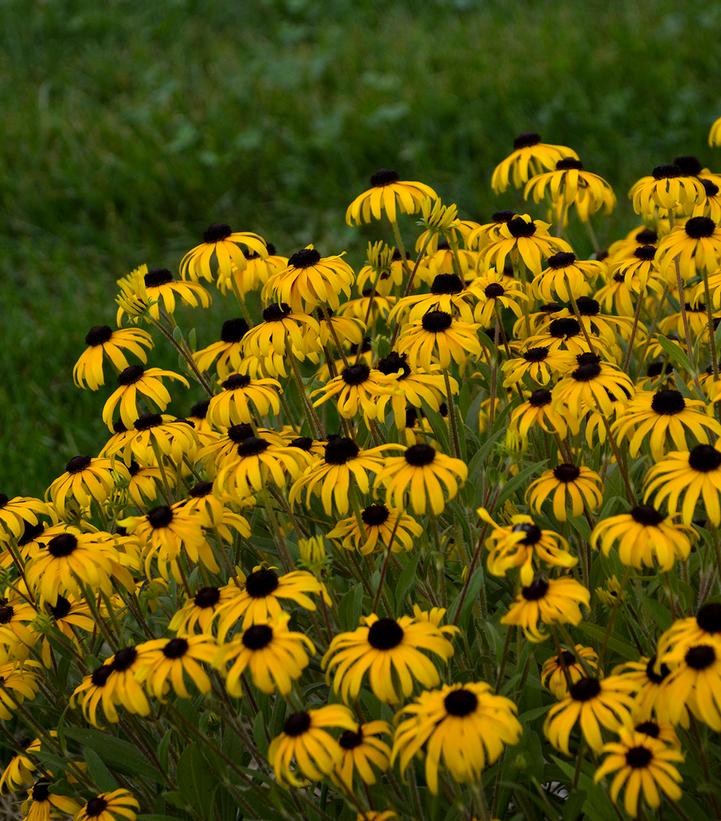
(129, 126)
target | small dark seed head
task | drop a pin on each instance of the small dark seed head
(96, 807)
(217, 232)
(131, 375)
(664, 172)
(375, 515)
(276, 312)
(700, 657)
(41, 791)
(233, 330)
(297, 724)
(710, 188)
(124, 659)
(502, 216)
(566, 472)
(385, 634)
(646, 236)
(384, 176)
(261, 583)
(638, 758)
(646, 252)
(568, 164)
(565, 658)
(536, 590)
(436, 321)
(77, 464)
(350, 740)
(520, 228)
(652, 675)
(393, 363)
(236, 381)
(585, 689)
(101, 674)
(460, 702)
(301, 442)
(688, 165)
(147, 421)
(175, 648)
(157, 277)
(447, 284)
(658, 368)
(704, 458)
(206, 597)
(200, 490)
(649, 728)
(356, 374)
(6, 613)
(253, 446)
(540, 398)
(30, 533)
(564, 327)
(494, 290)
(668, 403)
(60, 609)
(305, 258)
(98, 335)
(532, 533)
(699, 227)
(561, 260)
(647, 515)
(341, 450)
(420, 455)
(526, 140)
(538, 354)
(708, 617)
(587, 372)
(258, 636)
(588, 306)
(240, 432)
(160, 516)
(62, 545)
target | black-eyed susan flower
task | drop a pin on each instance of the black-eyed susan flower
(216, 454)
(92, 693)
(592, 383)
(422, 478)
(591, 704)
(465, 727)
(17, 636)
(103, 342)
(334, 328)
(526, 241)
(258, 463)
(538, 411)
(143, 483)
(221, 250)
(261, 596)
(522, 543)
(645, 537)
(664, 418)
(539, 364)
(379, 274)
(173, 437)
(570, 488)
(666, 189)
(19, 682)
(17, 512)
(416, 387)
(439, 339)
(305, 750)
(310, 280)
(564, 333)
(256, 272)
(564, 669)
(569, 184)
(650, 696)
(274, 655)
(358, 390)
(493, 293)
(694, 682)
(364, 752)
(640, 270)
(642, 766)
(169, 663)
(392, 654)
(157, 290)
(383, 528)
(137, 382)
(242, 398)
(703, 627)
(330, 478)
(682, 479)
(567, 277)
(448, 294)
(529, 157)
(198, 613)
(547, 601)
(86, 480)
(388, 195)
(673, 326)
(43, 804)
(18, 772)
(226, 352)
(281, 333)
(122, 686)
(71, 560)
(694, 247)
(118, 805)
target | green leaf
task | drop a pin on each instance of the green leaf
(100, 774)
(349, 609)
(623, 649)
(154, 816)
(406, 579)
(116, 753)
(196, 781)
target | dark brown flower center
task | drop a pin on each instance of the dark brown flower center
(157, 277)
(540, 398)
(341, 450)
(6, 613)
(160, 516)
(460, 702)
(436, 321)
(532, 531)
(239, 433)
(520, 228)
(699, 227)
(647, 515)
(385, 634)
(566, 472)
(301, 442)
(668, 402)
(175, 649)
(561, 260)
(708, 617)
(305, 258)
(96, 807)
(652, 675)
(216, 232)
(646, 236)
(526, 140)
(276, 312)
(100, 675)
(564, 327)
(393, 363)
(62, 545)
(261, 583)
(350, 740)
(638, 758)
(688, 165)
(588, 306)
(253, 446)
(206, 597)
(233, 330)
(665, 172)
(420, 455)
(98, 335)
(585, 689)
(60, 609)
(494, 290)
(77, 464)
(258, 636)
(124, 659)
(356, 374)
(236, 381)
(384, 176)
(131, 375)
(568, 164)
(700, 657)
(536, 590)
(200, 490)
(297, 724)
(649, 728)
(647, 252)
(704, 458)
(375, 515)
(447, 284)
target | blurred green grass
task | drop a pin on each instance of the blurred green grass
(129, 126)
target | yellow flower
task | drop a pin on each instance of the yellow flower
(221, 251)
(103, 342)
(310, 280)
(137, 382)
(547, 601)
(388, 194)
(529, 157)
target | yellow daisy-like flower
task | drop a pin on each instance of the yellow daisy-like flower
(416, 388)
(684, 478)
(282, 332)
(137, 382)
(199, 612)
(168, 663)
(567, 278)
(390, 653)
(570, 184)
(358, 388)
(448, 294)
(650, 695)
(704, 627)
(593, 383)
(390, 195)
(18, 772)
(42, 804)
(274, 655)
(102, 342)
(529, 157)
(547, 601)
(694, 247)
(694, 682)
(525, 241)
(363, 753)
(540, 364)
(591, 704)
(226, 353)
(20, 682)
(464, 726)
(174, 438)
(260, 598)
(310, 280)
(644, 538)
(382, 528)
(568, 487)
(540, 412)
(94, 692)
(305, 749)
(222, 250)
(17, 512)
(423, 478)
(259, 462)
(494, 292)
(330, 478)
(143, 484)
(642, 766)
(439, 339)
(640, 270)
(118, 805)
(86, 480)
(561, 671)
(233, 405)
(522, 542)
(666, 189)
(258, 269)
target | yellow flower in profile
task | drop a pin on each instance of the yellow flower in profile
(526, 241)
(305, 750)
(145, 293)
(118, 805)
(464, 726)
(495, 292)
(570, 184)
(547, 601)
(529, 157)
(538, 411)
(438, 339)
(103, 342)
(222, 250)
(19, 511)
(86, 480)
(570, 488)
(695, 247)
(43, 804)
(667, 188)
(390, 195)
(592, 383)
(643, 766)
(137, 382)
(258, 269)
(694, 682)
(381, 645)
(358, 390)
(242, 398)
(227, 350)
(383, 527)
(310, 280)
(363, 752)
(257, 464)
(566, 277)
(566, 668)
(169, 663)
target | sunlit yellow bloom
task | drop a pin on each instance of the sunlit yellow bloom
(363, 753)
(257, 464)
(358, 390)
(547, 601)
(390, 195)
(539, 411)
(526, 241)
(118, 805)
(139, 383)
(570, 184)
(20, 682)
(539, 364)
(448, 294)
(440, 339)
(666, 189)
(567, 278)
(222, 250)
(169, 663)
(494, 292)
(310, 280)
(529, 157)
(42, 804)
(571, 488)
(102, 342)
(86, 480)
(693, 247)
(256, 272)
(242, 398)
(561, 671)
(382, 528)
